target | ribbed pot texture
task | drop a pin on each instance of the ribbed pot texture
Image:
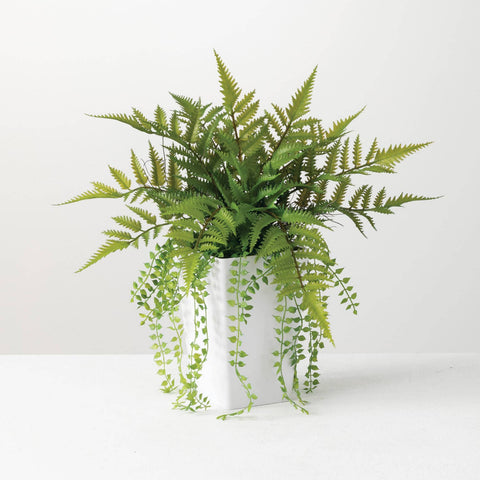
(219, 381)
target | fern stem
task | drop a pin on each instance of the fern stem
(237, 139)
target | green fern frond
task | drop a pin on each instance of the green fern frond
(273, 123)
(344, 165)
(142, 119)
(339, 192)
(157, 176)
(357, 152)
(244, 101)
(281, 114)
(144, 214)
(90, 194)
(259, 224)
(106, 189)
(274, 241)
(403, 198)
(248, 113)
(339, 127)
(332, 159)
(175, 127)
(284, 154)
(357, 195)
(355, 219)
(379, 198)
(394, 154)
(227, 217)
(300, 102)
(173, 180)
(317, 311)
(123, 118)
(189, 264)
(121, 178)
(372, 152)
(188, 105)
(228, 86)
(137, 169)
(291, 216)
(367, 195)
(107, 248)
(161, 117)
(184, 237)
(118, 234)
(128, 222)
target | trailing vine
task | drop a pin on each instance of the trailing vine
(232, 181)
(241, 289)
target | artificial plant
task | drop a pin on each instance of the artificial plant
(228, 181)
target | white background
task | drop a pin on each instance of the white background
(413, 63)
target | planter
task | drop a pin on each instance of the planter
(219, 380)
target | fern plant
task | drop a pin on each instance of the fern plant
(232, 180)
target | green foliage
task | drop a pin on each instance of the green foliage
(231, 181)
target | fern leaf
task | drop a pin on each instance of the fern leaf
(173, 181)
(227, 217)
(371, 153)
(184, 237)
(118, 234)
(302, 98)
(144, 214)
(228, 86)
(106, 189)
(339, 127)
(146, 237)
(357, 195)
(247, 114)
(142, 119)
(190, 262)
(344, 155)
(317, 311)
(120, 178)
(123, 118)
(175, 124)
(355, 219)
(332, 159)
(339, 193)
(129, 223)
(357, 152)
(367, 195)
(261, 222)
(107, 248)
(92, 194)
(244, 101)
(281, 114)
(379, 198)
(158, 170)
(396, 153)
(404, 198)
(300, 216)
(138, 170)
(188, 105)
(161, 117)
(273, 242)
(273, 123)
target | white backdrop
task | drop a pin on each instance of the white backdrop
(414, 64)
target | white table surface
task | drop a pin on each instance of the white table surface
(373, 417)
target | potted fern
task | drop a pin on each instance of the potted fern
(234, 203)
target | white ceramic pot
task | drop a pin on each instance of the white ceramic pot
(219, 381)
